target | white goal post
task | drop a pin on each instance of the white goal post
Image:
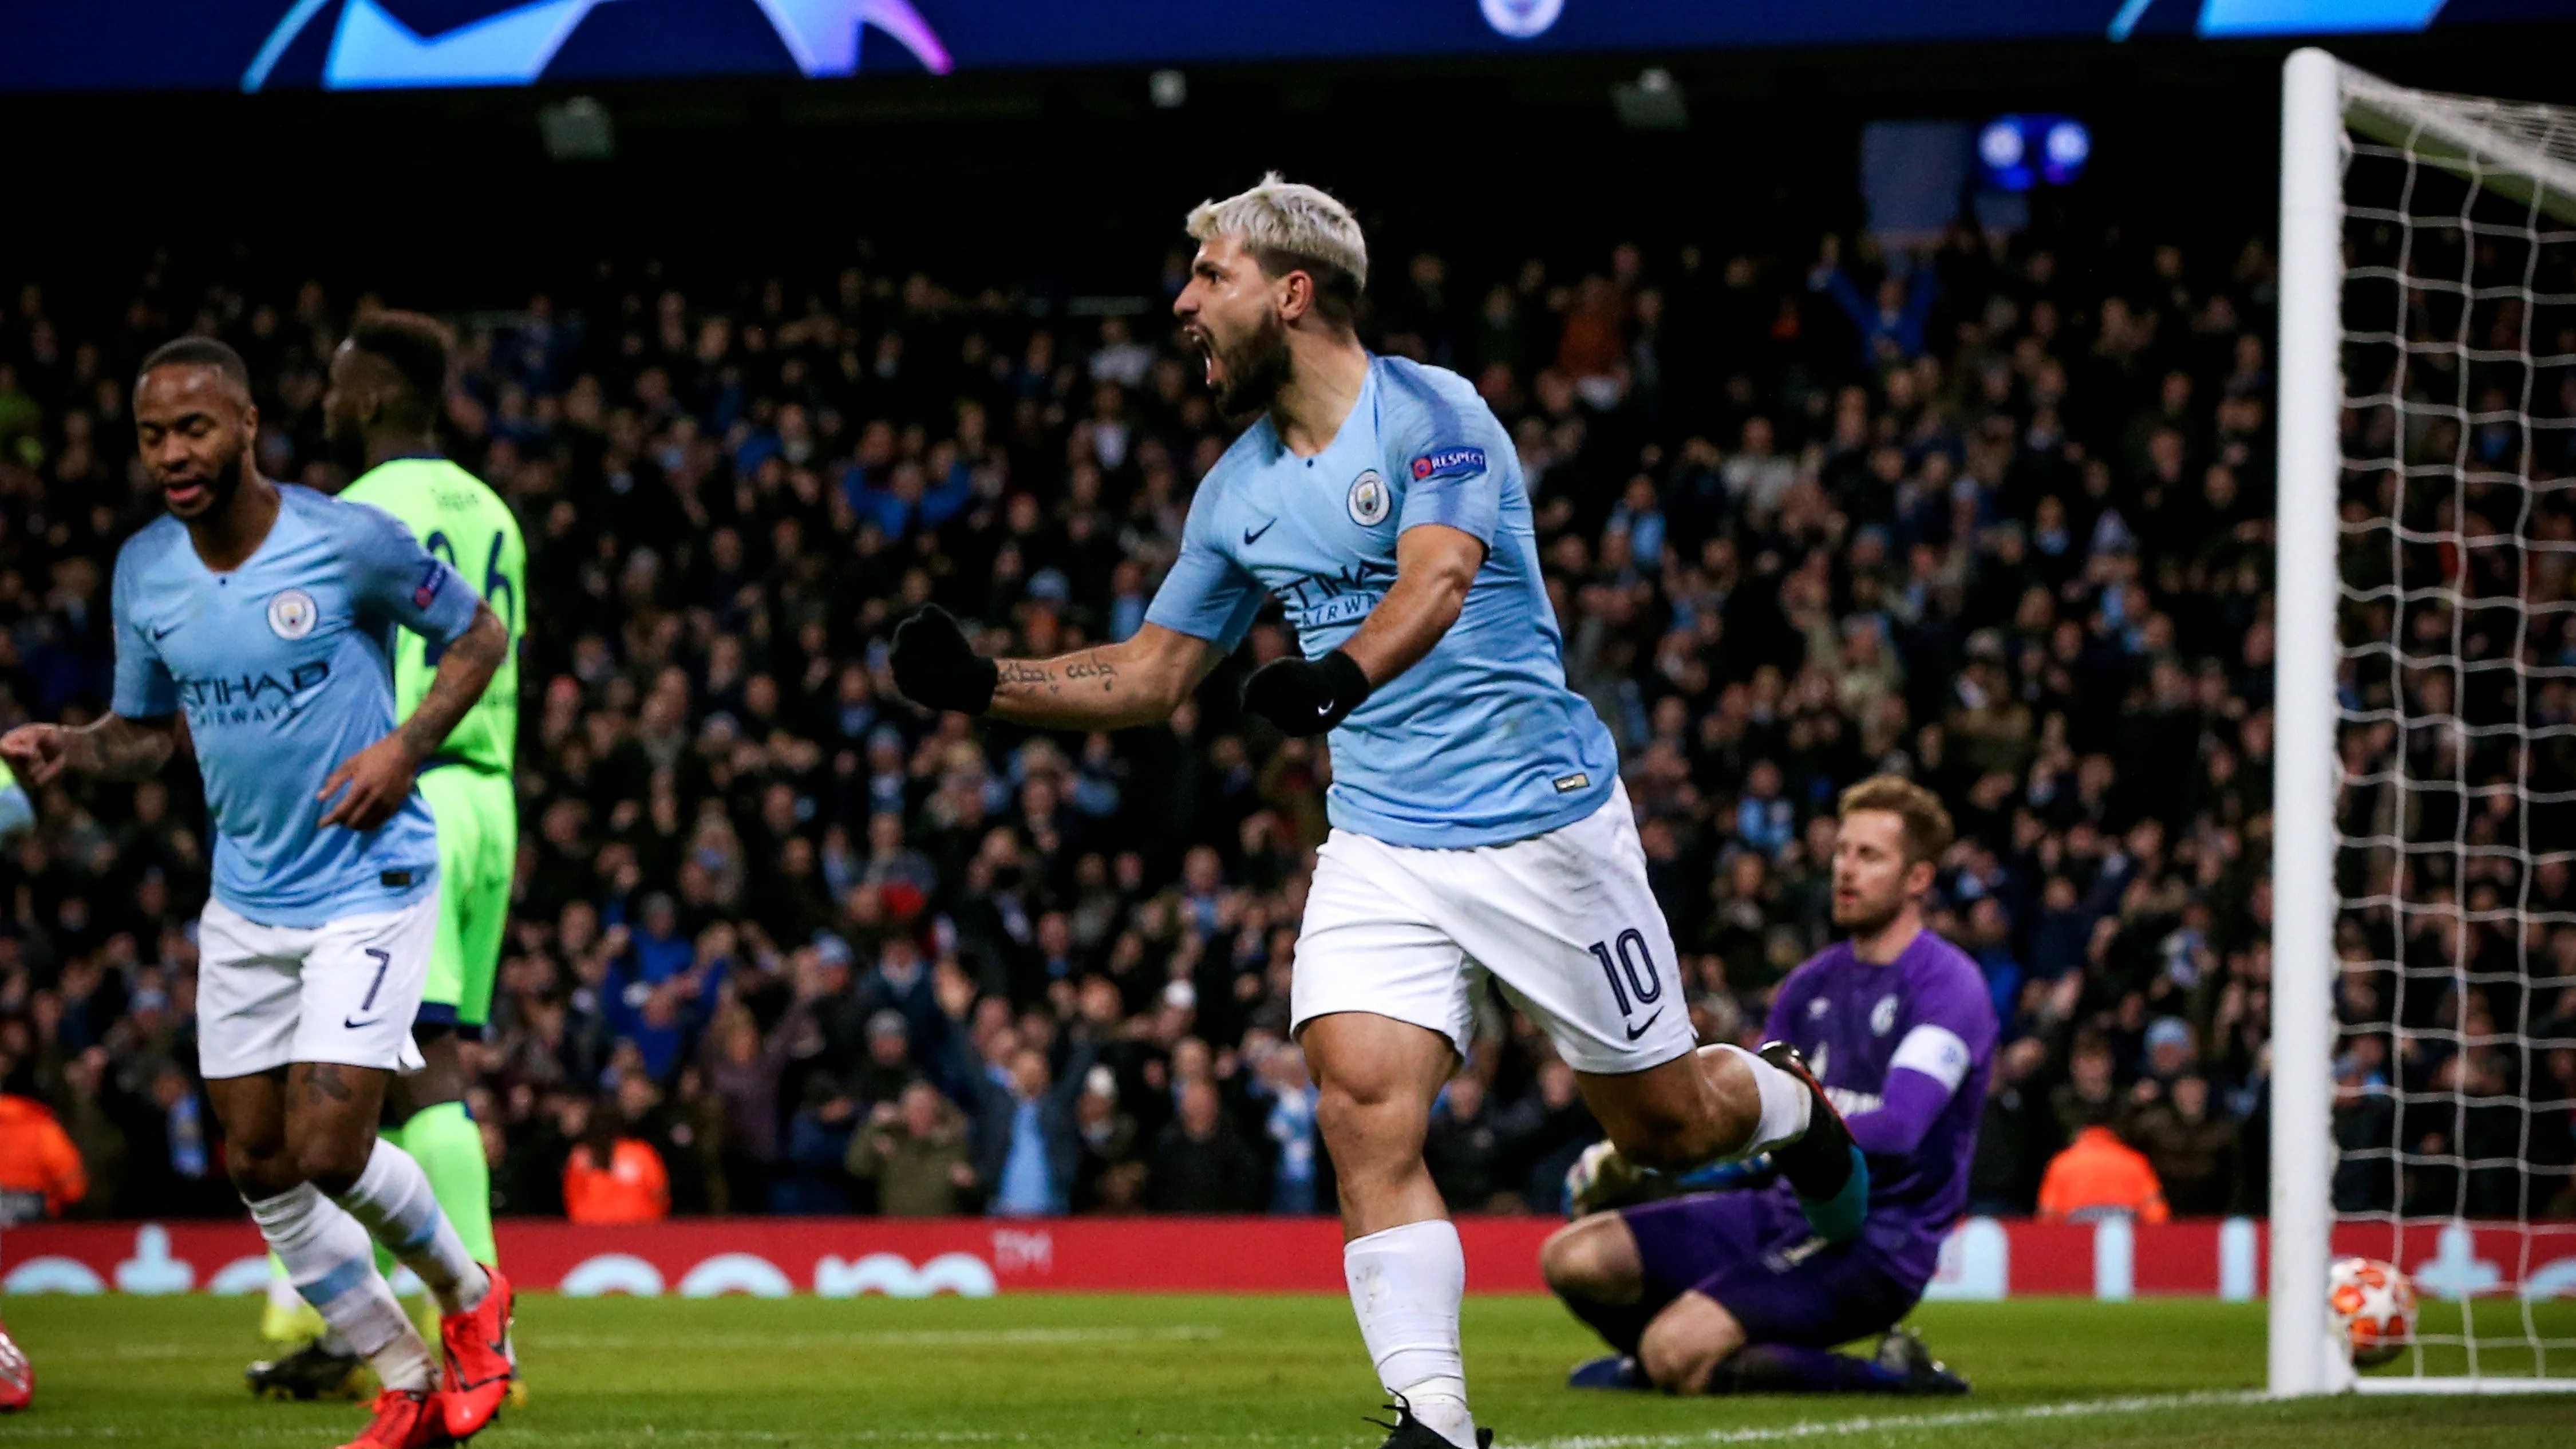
(2403, 852)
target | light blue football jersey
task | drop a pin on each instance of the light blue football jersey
(1480, 742)
(283, 669)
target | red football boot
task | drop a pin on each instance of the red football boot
(405, 1419)
(17, 1376)
(477, 1344)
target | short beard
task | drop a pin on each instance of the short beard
(1255, 371)
(225, 483)
(1872, 923)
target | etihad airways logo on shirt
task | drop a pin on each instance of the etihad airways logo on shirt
(251, 698)
(1336, 596)
(1448, 463)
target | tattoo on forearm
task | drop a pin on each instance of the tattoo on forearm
(124, 750)
(1033, 675)
(463, 672)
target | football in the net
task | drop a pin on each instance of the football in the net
(2374, 1308)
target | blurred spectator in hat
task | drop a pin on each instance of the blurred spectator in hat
(2192, 1145)
(916, 1150)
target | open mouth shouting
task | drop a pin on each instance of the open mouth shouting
(1211, 366)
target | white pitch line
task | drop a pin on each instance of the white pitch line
(904, 1338)
(621, 1437)
(1879, 1423)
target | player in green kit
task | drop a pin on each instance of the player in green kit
(380, 415)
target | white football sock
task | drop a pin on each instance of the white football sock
(1405, 1286)
(393, 1198)
(1785, 1101)
(333, 1265)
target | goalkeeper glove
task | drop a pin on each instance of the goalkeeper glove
(936, 668)
(1727, 1176)
(1306, 697)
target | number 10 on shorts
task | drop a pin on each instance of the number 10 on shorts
(1631, 972)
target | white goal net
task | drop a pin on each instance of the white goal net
(2424, 949)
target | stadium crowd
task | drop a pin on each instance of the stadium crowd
(1995, 514)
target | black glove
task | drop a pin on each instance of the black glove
(1306, 697)
(935, 667)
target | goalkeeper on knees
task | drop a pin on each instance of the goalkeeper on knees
(1718, 1284)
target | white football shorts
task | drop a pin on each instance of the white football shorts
(344, 992)
(1564, 921)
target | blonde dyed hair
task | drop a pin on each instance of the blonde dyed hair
(1288, 227)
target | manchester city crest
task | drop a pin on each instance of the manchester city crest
(291, 613)
(1369, 500)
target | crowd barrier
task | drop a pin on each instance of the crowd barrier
(1984, 1258)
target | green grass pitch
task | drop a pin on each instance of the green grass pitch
(1093, 1372)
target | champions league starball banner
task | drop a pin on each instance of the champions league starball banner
(258, 45)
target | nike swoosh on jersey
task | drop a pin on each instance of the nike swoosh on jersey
(351, 1023)
(1639, 1029)
(1252, 536)
(160, 634)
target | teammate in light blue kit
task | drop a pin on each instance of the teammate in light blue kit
(1479, 827)
(264, 613)
(275, 663)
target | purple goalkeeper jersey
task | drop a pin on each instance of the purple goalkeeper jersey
(1925, 1012)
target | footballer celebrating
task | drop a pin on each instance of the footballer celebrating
(380, 416)
(1729, 1292)
(1478, 824)
(264, 614)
